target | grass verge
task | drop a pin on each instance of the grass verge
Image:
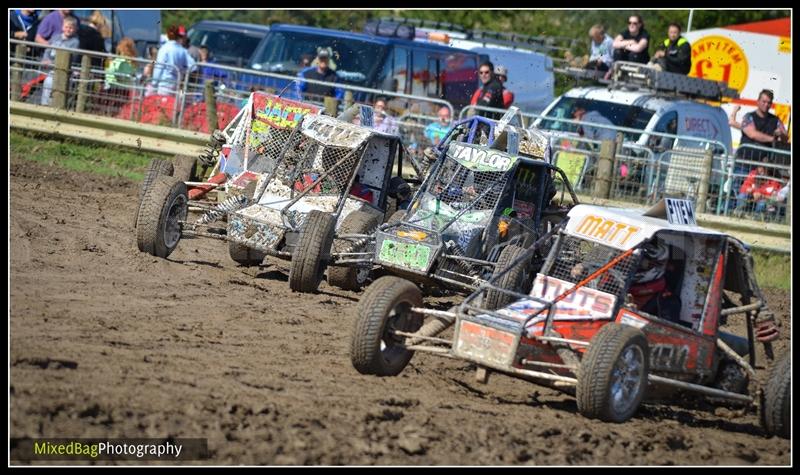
(773, 270)
(79, 155)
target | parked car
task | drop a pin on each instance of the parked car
(231, 43)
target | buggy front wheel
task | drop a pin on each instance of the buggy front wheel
(515, 280)
(164, 205)
(352, 277)
(776, 410)
(385, 308)
(156, 168)
(612, 377)
(312, 252)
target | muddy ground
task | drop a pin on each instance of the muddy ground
(109, 342)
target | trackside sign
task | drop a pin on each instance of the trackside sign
(480, 158)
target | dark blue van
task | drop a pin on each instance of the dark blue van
(231, 43)
(392, 64)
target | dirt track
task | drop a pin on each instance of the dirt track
(195, 346)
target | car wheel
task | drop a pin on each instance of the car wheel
(164, 205)
(312, 251)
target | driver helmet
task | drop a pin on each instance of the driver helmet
(654, 262)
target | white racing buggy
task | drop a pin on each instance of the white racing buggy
(628, 305)
(478, 209)
(311, 197)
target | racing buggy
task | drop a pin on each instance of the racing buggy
(308, 194)
(628, 305)
(478, 209)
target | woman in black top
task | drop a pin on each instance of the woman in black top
(633, 43)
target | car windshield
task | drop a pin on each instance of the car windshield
(226, 46)
(621, 115)
(355, 61)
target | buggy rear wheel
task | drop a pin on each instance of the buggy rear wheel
(776, 411)
(164, 205)
(312, 252)
(156, 168)
(352, 277)
(515, 279)
(612, 378)
(384, 308)
(244, 255)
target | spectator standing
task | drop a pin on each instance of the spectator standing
(490, 92)
(383, 122)
(209, 73)
(50, 26)
(760, 127)
(501, 72)
(633, 43)
(675, 54)
(165, 78)
(321, 71)
(120, 77)
(184, 40)
(23, 24)
(67, 39)
(601, 49)
(90, 37)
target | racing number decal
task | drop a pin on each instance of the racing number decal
(669, 357)
(409, 255)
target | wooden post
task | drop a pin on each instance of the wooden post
(705, 179)
(331, 106)
(211, 106)
(16, 74)
(601, 186)
(86, 69)
(60, 79)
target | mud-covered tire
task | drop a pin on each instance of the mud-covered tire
(157, 167)
(164, 204)
(384, 306)
(312, 252)
(352, 277)
(612, 377)
(244, 255)
(185, 167)
(776, 415)
(515, 279)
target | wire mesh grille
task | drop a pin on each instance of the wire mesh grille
(578, 259)
(455, 189)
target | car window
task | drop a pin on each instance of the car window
(356, 61)
(394, 73)
(622, 115)
(425, 74)
(226, 46)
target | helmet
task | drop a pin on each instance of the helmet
(653, 263)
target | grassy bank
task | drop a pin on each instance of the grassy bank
(80, 156)
(773, 270)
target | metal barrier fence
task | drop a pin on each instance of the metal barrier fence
(640, 171)
(92, 82)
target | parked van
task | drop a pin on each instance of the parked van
(231, 43)
(391, 63)
(644, 110)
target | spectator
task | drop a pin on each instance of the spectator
(490, 92)
(172, 59)
(436, 131)
(23, 24)
(152, 54)
(633, 43)
(580, 113)
(67, 39)
(184, 40)
(51, 26)
(502, 75)
(120, 76)
(210, 73)
(758, 189)
(319, 72)
(760, 127)
(601, 49)
(383, 122)
(90, 37)
(675, 55)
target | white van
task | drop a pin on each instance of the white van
(644, 110)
